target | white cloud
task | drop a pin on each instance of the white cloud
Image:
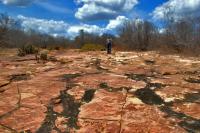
(73, 31)
(103, 9)
(43, 26)
(115, 23)
(17, 2)
(61, 28)
(57, 28)
(178, 7)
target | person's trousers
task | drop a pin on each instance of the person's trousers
(109, 49)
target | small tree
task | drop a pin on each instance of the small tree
(137, 34)
(6, 23)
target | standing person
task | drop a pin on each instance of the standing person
(109, 46)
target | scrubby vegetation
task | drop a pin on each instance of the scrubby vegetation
(27, 49)
(11, 36)
(92, 47)
(44, 56)
(177, 36)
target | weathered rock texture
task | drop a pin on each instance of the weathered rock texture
(126, 92)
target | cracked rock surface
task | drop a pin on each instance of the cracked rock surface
(91, 92)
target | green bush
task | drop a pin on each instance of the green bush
(27, 49)
(92, 47)
(44, 55)
(21, 52)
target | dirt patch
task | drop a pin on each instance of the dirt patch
(148, 96)
(49, 122)
(19, 77)
(190, 124)
(68, 77)
(189, 98)
(192, 97)
(70, 111)
(88, 96)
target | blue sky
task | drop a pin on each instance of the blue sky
(67, 17)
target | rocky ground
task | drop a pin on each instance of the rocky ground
(91, 92)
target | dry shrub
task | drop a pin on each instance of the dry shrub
(27, 49)
(92, 47)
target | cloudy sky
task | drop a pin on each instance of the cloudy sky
(67, 17)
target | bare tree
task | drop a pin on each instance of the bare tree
(184, 32)
(6, 23)
(137, 34)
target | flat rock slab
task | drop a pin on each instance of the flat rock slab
(24, 119)
(92, 92)
(190, 109)
(98, 126)
(138, 118)
(23, 104)
(105, 106)
(9, 99)
(113, 80)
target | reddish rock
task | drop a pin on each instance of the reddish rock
(58, 108)
(3, 82)
(137, 85)
(174, 92)
(24, 119)
(9, 99)
(61, 124)
(98, 126)
(167, 70)
(140, 118)
(4, 129)
(105, 105)
(135, 68)
(77, 92)
(109, 112)
(172, 80)
(190, 109)
(113, 80)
